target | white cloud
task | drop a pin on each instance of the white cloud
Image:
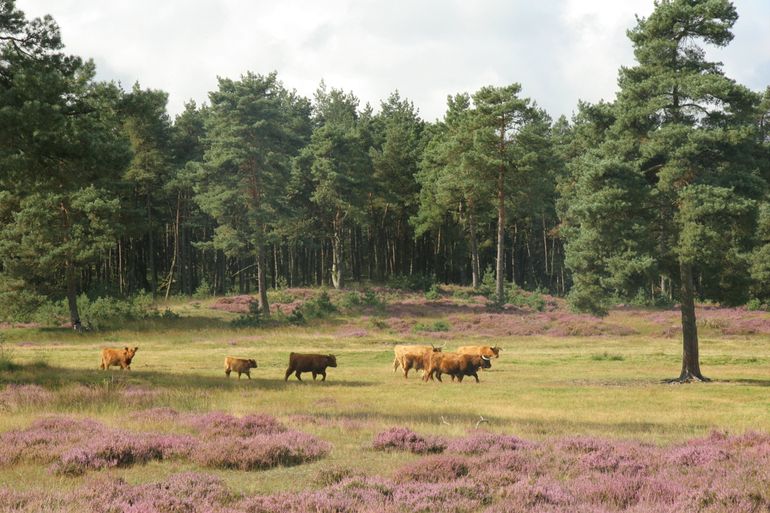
(559, 50)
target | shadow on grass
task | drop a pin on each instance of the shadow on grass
(745, 381)
(57, 377)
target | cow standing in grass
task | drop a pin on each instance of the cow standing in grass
(488, 351)
(239, 365)
(315, 363)
(121, 357)
(456, 365)
(416, 352)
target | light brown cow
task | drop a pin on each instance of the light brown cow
(456, 365)
(120, 357)
(315, 363)
(416, 361)
(239, 365)
(488, 351)
(400, 351)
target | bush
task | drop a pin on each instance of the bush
(319, 307)
(350, 300)
(434, 293)
(412, 282)
(203, 290)
(755, 304)
(404, 439)
(439, 325)
(488, 283)
(249, 320)
(280, 296)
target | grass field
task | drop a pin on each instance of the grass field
(542, 389)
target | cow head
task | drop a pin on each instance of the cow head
(253, 364)
(486, 362)
(332, 360)
(496, 351)
(128, 354)
(436, 349)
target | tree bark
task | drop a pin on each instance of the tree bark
(264, 306)
(337, 261)
(500, 278)
(690, 358)
(475, 271)
(72, 298)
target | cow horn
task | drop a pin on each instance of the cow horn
(485, 357)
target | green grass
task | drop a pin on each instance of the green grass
(539, 387)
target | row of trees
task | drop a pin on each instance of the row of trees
(663, 191)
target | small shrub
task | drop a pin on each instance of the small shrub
(439, 325)
(296, 316)
(169, 314)
(260, 451)
(755, 304)
(203, 290)
(350, 300)
(249, 320)
(433, 469)
(328, 476)
(412, 282)
(462, 294)
(319, 307)
(281, 296)
(488, 283)
(370, 298)
(17, 302)
(379, 324)
(434, 293)
(404, 439)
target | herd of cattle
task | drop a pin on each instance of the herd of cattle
(430, 359)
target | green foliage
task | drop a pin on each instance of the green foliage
(252, 319)
(281, 296)
(433, 293)
(17, 302)
(440, 325)
(414, 282)
(350, 300)
(6, 354)
(755, 304)
(104, 312)
(319, 307)
(204, 290)
(488, 283)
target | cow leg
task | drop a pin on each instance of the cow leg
(314, 375)
(227, 372)
(438, 377)
(406, 373)
(460, 378)
(288, 373)
(324, 376)
(239, 376)
(298, 375)
(248, 375)
(395, 364)
(475, 376)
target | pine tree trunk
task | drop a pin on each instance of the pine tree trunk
(500, 278)
(264, 306)
(151, 249)
(690, 359)
(72, 298)
(337, 262)
(475, 271)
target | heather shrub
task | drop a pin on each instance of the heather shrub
(458, 496)
(46, 439)
(260, 451)
(327, 476)
(482, 442)
(219, 424)
(404, 439)
(15, 397)
(433, 469)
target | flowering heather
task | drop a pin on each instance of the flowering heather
(260, 451)
(159, 414)
(219, 424)
(433, 469)
(482, 442)
(46, 439)
(234, 304)
(119, 449)
(404, 439)
(14, 397)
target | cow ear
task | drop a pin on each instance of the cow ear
(126, 348)
(136, 349)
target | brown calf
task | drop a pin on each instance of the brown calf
(239, 365)
(315, 363)
(121, 357)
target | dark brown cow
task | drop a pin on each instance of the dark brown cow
(457, 365)
(121, 357)
(315, 363)
(239, 365)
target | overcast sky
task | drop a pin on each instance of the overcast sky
(560, 51)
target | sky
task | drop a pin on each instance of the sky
(560, 51)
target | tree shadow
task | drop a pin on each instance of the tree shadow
(745, 381)
(57, 377)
